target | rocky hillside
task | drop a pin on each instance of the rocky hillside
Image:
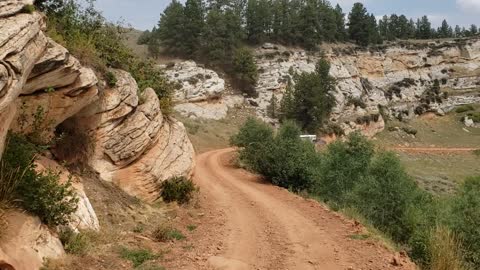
(124, 137)
(385, 81)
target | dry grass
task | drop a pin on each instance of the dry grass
(445, 251)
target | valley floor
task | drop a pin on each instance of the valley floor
(255, 225)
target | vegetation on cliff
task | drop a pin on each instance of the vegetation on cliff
(98, 44)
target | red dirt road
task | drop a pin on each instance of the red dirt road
(261, 226)
(434, 149)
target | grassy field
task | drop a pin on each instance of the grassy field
(436, 172)
(208, 135)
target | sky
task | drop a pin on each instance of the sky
(144, 14)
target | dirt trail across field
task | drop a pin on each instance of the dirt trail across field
(434, 149)
(261, 226)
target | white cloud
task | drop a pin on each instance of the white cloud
(469, 5)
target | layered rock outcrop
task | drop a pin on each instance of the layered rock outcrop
(136, 146)
(396, 78)
(200, 92)
(44, 90)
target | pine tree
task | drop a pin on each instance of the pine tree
(445, 31)
(373, 34)
(193, 26)
(312, 98)
(287, 104)
(393, 27)
(404, 27)
(258, 20)
(424, 28)
(308, 25)
(223, 33)
(328, 22)
(458, 31)
(272, 110)
(383, 27)
(358, 26)
(341, 32)
(473, 30)
(246, 71)
(170, 27)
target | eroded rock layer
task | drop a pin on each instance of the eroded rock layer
(43, 89)
(136, 146)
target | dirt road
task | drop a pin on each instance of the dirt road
(266, 227)
(434, 149)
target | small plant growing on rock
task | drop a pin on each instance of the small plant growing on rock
(178, 189)
(111, 79)
(28, 9)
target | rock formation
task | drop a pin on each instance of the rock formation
(200, 92)
(45, 90)
(394, 77)
(136, 146)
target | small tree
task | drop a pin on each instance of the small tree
(245, 69)
(312, 98)
(272, 109)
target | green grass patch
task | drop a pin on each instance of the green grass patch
(359, 236)
(137, 256)
(191, 227)
(75, 243)
(165, 233)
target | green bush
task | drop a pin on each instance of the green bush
(288, 161)
(137, 256)
(253, 138)
(385, 195)
(74, 243)
(343, 165)
(465, 218)
(28, 9)
(178, 189)
(464, 108)
(39, 193)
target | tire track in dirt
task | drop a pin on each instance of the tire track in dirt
(269, 228)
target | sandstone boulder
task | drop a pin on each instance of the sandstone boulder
(196, 83)
(27, 242)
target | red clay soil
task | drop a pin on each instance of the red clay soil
(250, 224)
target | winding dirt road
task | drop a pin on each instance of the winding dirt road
(266, 227)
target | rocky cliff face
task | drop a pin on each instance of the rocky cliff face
(200, 92)
(395, 78)
(44, 89)
(390, 81)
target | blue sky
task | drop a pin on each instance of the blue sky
(144, 14)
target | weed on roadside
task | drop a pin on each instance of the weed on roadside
(165, 233)
(137, 256)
